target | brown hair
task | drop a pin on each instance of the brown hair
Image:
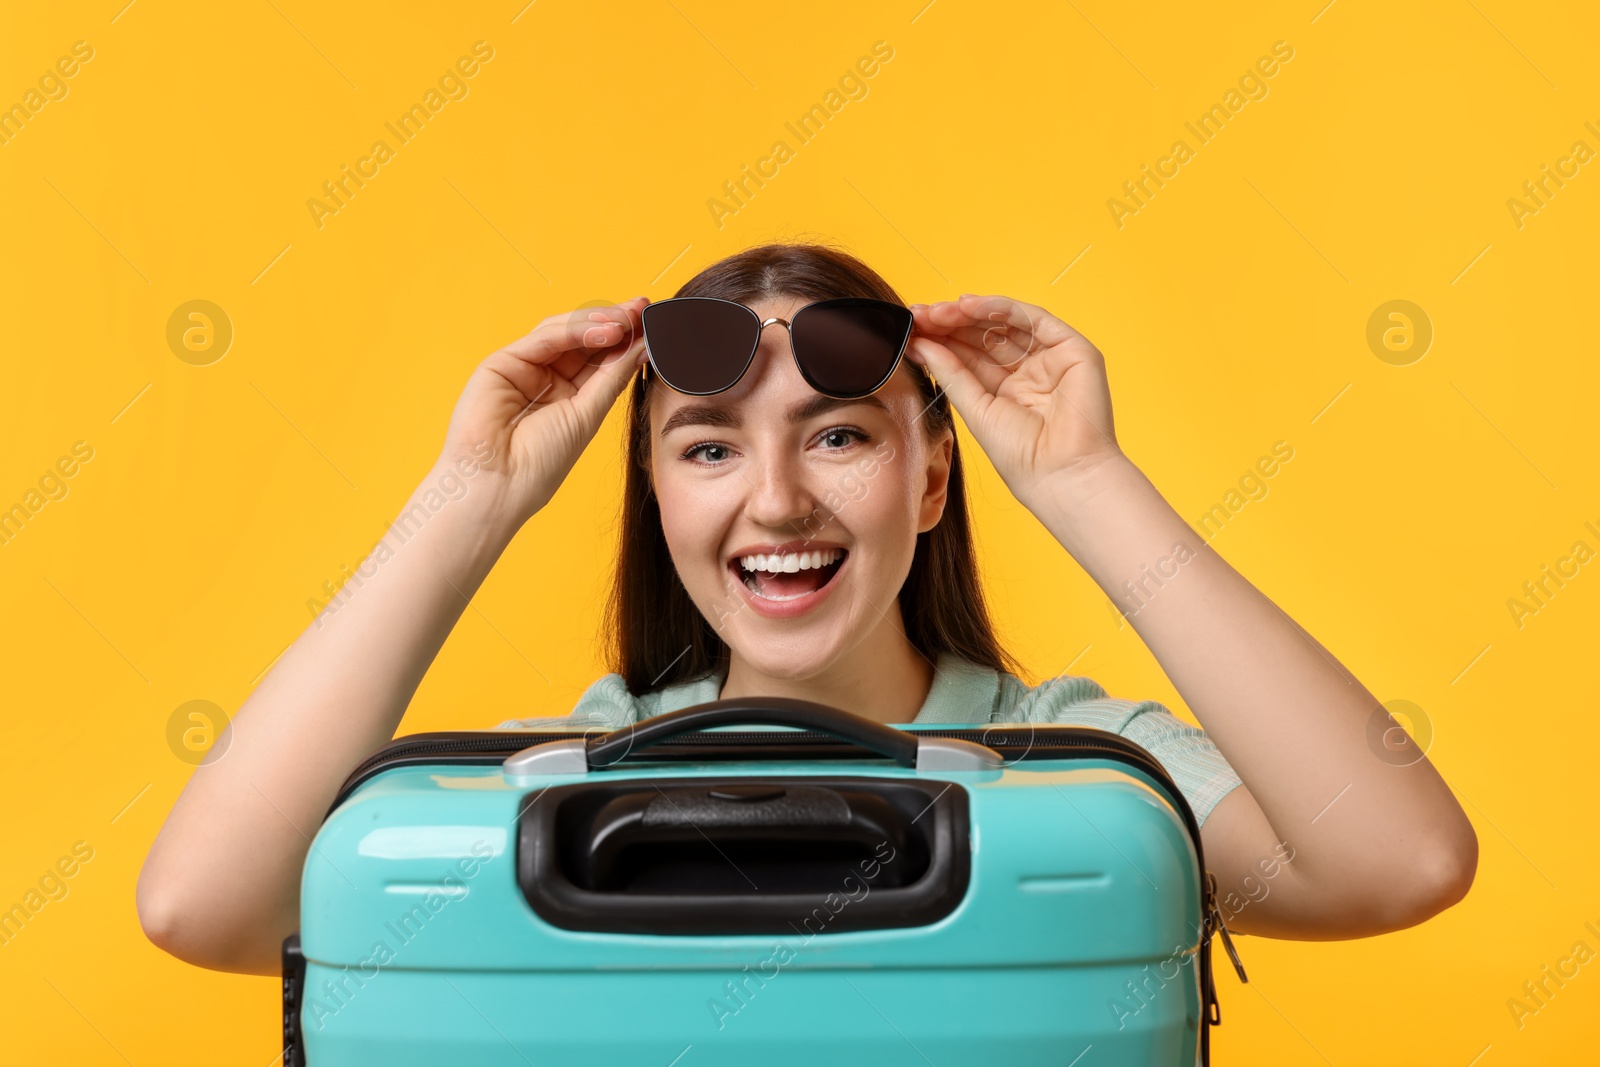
(649, 616)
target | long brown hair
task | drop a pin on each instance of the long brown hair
(649, 616)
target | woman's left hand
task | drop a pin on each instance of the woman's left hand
(1031, 389)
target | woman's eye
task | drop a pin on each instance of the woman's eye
(840, 436)
(709, 451)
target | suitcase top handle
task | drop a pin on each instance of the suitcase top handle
(579, 755)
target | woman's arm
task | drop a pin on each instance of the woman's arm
(1373, 846)
(1370, 846)
(221, 885)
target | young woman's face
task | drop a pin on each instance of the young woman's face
(792, 517)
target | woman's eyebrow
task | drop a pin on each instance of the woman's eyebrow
(717, 415)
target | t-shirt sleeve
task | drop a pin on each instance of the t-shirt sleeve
(1190, 757)
(1203, 775)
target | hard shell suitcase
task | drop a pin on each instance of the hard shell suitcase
(689, 892)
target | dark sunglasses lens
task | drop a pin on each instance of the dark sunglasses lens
(849, 347)
(700, 345)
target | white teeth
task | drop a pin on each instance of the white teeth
(792, 561)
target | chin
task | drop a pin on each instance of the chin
(788, 657)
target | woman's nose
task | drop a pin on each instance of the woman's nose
(780, 495)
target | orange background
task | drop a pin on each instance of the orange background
(1232, 306)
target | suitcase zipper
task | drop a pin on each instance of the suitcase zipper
(490, 746)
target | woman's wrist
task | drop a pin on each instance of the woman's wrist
(462, 510)
(1065, 501)
(1114, 521)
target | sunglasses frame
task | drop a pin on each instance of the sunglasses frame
(788, 324)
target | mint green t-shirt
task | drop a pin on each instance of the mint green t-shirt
(965, 694)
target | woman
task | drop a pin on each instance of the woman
(1310, 831)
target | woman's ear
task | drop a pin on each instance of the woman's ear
(937, 473)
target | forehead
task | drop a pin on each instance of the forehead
(781, 306)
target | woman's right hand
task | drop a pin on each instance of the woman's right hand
(539, 401)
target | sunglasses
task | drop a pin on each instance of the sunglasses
(846, 347)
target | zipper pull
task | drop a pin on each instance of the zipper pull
(1221, 926)
(1227, 943)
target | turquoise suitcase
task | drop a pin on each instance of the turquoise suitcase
(763, 881)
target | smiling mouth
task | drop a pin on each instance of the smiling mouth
(771, 577)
